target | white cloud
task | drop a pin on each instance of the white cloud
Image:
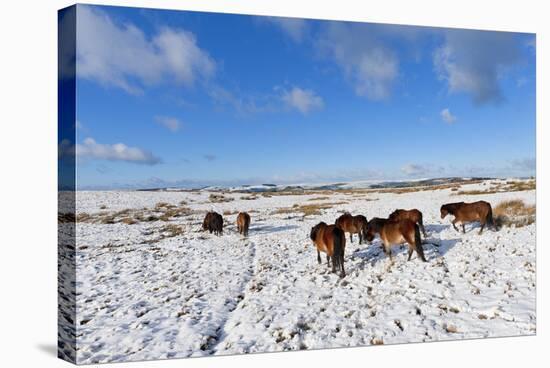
(474, 61)
(447, 116)
(170, 123)
(303, 100)
(415, 170)
(370, 66)
(295, 28)
(111, 152)
(121, 55)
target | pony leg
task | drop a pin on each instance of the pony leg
(463, 228)
(454, 222)
(387, 250)
(333, 264)
(482, 226)
(351, 237)
(318, 256)
(410, 253)
(328, 260)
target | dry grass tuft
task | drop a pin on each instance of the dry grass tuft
(319, 199)
(249, 198)
(163, 205)
(175, 212)
(313, 209)
(129, 221)
(514, 213)
(66, 217)
(219, 198)
(172, 230)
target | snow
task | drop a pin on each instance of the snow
(197, 294)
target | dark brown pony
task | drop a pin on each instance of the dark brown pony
(243, 222)
(331, 240)
(353, 225)
(480, 211)
(213, 222)
(393, 232)
(414, 215)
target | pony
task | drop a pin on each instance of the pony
(395, 232)
(213, 222)
(331, 240)
(479, 211)
(414, 215)
(353, 225)
(243, 223)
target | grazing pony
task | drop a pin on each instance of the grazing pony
(213, 222)
(331, 240)
(393, 232)
(243, 222)
(480, 211)
(414, 215)
(353, 225)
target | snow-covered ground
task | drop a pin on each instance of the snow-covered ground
(142, 294)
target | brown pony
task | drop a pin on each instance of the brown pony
(469, 212)
(353, 225)
(393, 232)
(331, 240)
(414, 215)
(213, 222)
(243, 222)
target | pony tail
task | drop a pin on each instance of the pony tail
(418, 243)
(339, 239)
(490, 219)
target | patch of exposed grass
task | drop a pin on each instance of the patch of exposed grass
(514, 213)
(163, 205)
(219, 198)
(508, 186)
(151, 218)
(476, 192)
(129, 221)
(313, 209)
(318, 199)
(65, 217)
(175, 212)
(172, 230)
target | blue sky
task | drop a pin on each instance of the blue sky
(188, 99)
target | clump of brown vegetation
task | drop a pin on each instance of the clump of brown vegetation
(65, 217)
(129, 221)
(163, 205)
(172, 230)
(162, 211)
(318, 198)
(175, 212)
(307, 209)
(249, 198)
(219, 198)
(514, 212)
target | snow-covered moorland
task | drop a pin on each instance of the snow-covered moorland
(151, 285)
